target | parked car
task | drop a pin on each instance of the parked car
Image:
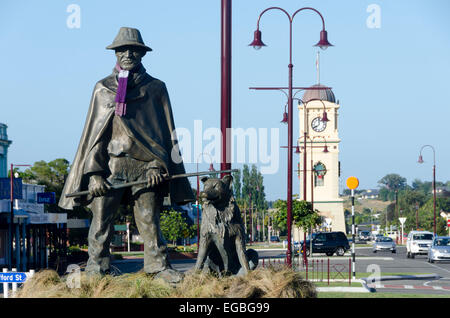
(418, 243)
(328, 243)
(439, 250)
(384, 243)
(274, 238)
(364, 236)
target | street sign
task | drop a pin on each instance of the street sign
(46, 197)
(13, 277)
(5, 188)
(402, 220)
(448, 223)
(352, 183)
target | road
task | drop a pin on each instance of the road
(401, 264)
(365, 259)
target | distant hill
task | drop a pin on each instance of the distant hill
(374, 205)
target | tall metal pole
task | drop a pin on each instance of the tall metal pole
(434, 182)
(11, 218)
(434, 198)
(353, 235)
(225, 117)
(198, 210)
(304, 185)
(251, 217)
(290, 138)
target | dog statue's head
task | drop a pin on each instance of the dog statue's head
(217, 191)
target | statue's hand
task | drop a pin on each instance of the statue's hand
(97, 186)
(154, 177)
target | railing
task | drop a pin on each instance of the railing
(14, 285)
(316, 270)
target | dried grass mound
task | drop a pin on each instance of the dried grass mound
(48, 284)
(260, 283)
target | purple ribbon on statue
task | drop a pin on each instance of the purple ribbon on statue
(121, 94)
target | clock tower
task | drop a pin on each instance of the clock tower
(322, 156)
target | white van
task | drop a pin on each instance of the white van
(418, 243)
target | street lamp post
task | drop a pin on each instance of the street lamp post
(257, 44)
(417, 215)
(211, 168)
(11, 217)
(434, 182)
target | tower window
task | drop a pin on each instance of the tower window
(319, 174)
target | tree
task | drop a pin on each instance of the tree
(393, 182)
(426, 216)
(303, 215)
(52, 175)
(237, 184)
(174, 226)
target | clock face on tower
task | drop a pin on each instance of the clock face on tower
(318, 124)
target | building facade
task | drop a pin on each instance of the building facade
(33, 231)
(4, 145)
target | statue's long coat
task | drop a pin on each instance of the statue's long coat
(148, 122)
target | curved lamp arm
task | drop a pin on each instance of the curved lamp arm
(309, 8)
(272, 8)
(434, 154)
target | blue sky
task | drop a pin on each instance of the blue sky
(391, 81)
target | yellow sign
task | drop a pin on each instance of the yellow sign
(352, 183)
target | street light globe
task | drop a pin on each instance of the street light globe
(16, 175)
(323, 43)
(257, 42)
(420, 159)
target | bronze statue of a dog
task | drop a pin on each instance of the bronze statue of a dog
(222, 235)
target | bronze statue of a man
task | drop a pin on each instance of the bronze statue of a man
(127, 137)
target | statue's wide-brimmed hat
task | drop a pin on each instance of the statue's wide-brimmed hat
(128, 36)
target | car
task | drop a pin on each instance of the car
(376, 236)
(328, 243)
(274, 238)
(384, 243)
(418, 243)
(439, 250)
(364, 236)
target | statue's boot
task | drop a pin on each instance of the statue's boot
(170, 276)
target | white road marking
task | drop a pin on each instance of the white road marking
(408, 287)
(435, 266)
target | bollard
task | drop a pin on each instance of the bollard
(321, 262)
(14, 285)
(263, 263)
(5, 286)
(317, 266)
(306, 263)
(349, 272)
(328, 271)
(30, 274)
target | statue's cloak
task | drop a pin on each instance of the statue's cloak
(149, 124)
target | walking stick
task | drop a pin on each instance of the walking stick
(167, 178)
